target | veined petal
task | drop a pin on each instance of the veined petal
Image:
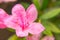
(13, 22)
(36, 28)
(32, 13)
(19, 10)
(2, 26)
(21, 33)
(3, 16)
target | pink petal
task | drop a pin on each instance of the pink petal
(2, 26)
(48, 38)
(21, 33)
(36, 28)
(0, 1)
(33, 37)
(13, 22)
(19, 10)
(3, 16)
(31, 13)
(9, 0)
(5, 1)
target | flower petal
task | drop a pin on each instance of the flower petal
(2, 26)
(19, 10)
(3, 16)
(33, 37)
(13, 22)
(21, 33)
(9, 0)
(36, 28)
(48, 38)
(31, 13)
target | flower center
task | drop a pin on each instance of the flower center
(24, 23)
(25, 26)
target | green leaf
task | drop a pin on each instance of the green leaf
(25, 4)
(11, 30)
(57, 22)
(57, 3)
(47, 30)
(44, 4)
(51, 14)
(53, 28)
(37, 4)
(57, 36)
(14, 37)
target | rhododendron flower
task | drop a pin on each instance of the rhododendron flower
(48, 38)
(7, 1)
(3, 16)
(23, 21)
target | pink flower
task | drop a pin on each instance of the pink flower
(33, 37)
(48, 38)
(23, 21)
(7, 1)
(3, 16)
